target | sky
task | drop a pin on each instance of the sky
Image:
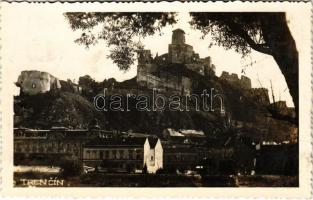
(44, 41)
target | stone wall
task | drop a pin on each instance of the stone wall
(259, 95)
(165, 81)
(180, 53)
(149, 70)
(35, 82)
(242, 82)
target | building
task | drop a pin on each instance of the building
(35, 82)
(124, 154)
(184, 136)
(93, 146)
(273, 159)
(171, 71)
(182, 157)
(53, 143)
(184, 149)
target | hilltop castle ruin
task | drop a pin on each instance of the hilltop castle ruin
(35, 82)
(170, 71)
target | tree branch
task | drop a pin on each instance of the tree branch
(236, 29)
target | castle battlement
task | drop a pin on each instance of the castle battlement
(243, 82)
(179, 53)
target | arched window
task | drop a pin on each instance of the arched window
(33, 85)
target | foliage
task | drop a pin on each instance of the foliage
(160, 171)
(65, 109)
(119, 30)
(145, 169)
(266, 33)
(91, 87)
(71, 168)
(239, 31)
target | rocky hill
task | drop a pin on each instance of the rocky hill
(62, 109)
(67, 108)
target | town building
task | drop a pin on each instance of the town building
(186, 136)
(124, 154)
(273, 159)
(181, 157)
(54, 143)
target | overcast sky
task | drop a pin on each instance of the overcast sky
(44, 41)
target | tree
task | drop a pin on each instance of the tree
(71, 168)
(119, 30)
(145, 169)
(267, 33)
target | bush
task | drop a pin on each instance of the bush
(160, 171)
(145, 169)
(70, 168)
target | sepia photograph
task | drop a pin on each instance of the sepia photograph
(154, 99)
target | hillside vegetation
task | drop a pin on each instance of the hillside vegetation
(65, 108)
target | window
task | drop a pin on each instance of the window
(114, 154)
(121, 154)
(27, 149)
(151, 158)
(94, 154)
(139, 154)
(40, 148)
(33, 85)
(101, 154)
(131, 154)
(107, 154)
(34, 148)
(17, 148)
(87, 154)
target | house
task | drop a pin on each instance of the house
(54, 143)
(184, 136)
(276, 159)
(182, 156)
(130, 154)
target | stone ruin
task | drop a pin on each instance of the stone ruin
(35, 82)
(154, 72)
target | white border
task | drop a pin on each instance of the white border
(304, 189)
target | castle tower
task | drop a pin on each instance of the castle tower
(207, 66)
(144, 57)
(178, 36)
(179, 51)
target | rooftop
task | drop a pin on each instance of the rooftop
(185, 133)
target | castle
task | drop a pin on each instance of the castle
(170, 71)
(35, 82)
(243, 82)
